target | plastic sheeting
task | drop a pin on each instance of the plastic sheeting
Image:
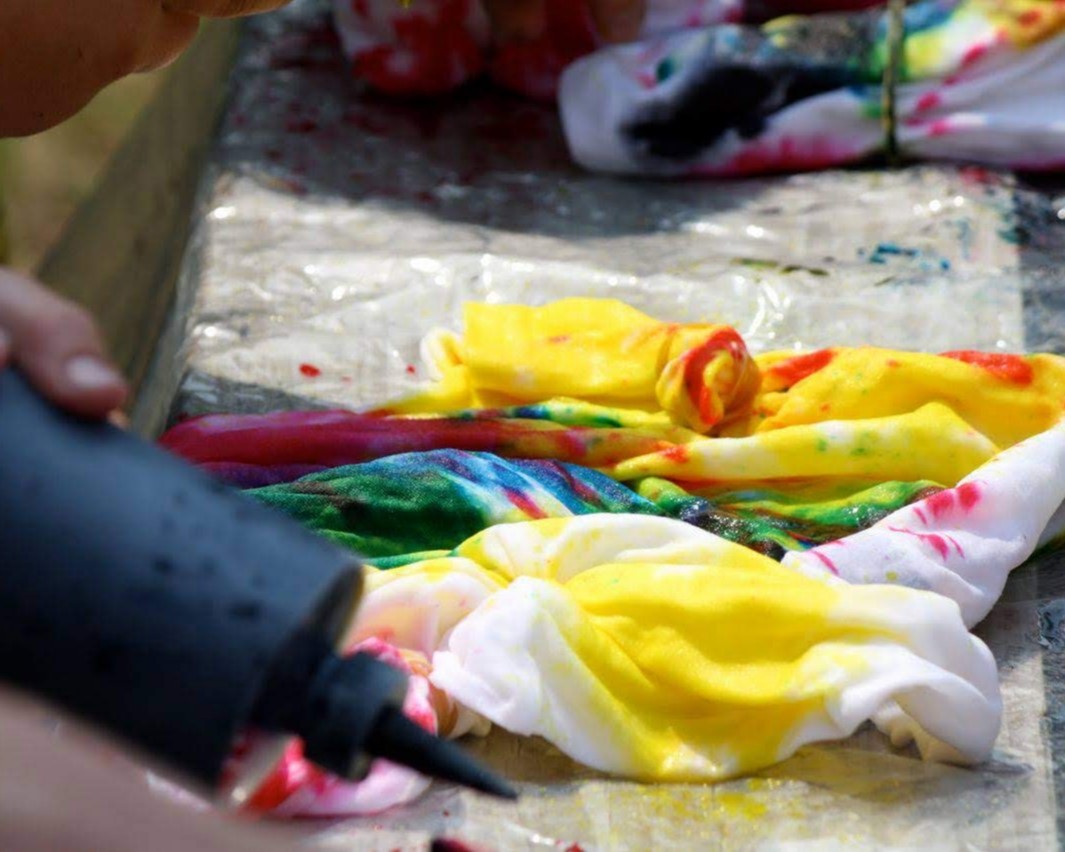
(337, 228)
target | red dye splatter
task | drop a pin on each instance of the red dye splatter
(973, 54)
(937, 541)
(794, 370)
(1030, 18)
(310, 371)
(940, 127)
(574, 847)
(927, 101)
(695, 363)
(677, 453)
(411, 370)
(969, 494)
(825, 406)
(558, 338)
(891, 362)
(940, 503)
(828, 563)
(1009, 368)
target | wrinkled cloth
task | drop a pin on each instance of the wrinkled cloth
(615, 638)
(410, 506)
(896, 489)
(963, 542)
(980, 81)
(598, 351)
(435, 46)
(703, 93)
(809, 447)
(417, 505)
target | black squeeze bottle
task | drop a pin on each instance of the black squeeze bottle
(150, 600)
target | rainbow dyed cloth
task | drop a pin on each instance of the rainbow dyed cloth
(708, 89)
(633, 537)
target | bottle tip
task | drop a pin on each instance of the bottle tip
(397, 738)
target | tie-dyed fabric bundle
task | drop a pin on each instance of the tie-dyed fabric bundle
(673, 559)
(701, 93)
(979, 81)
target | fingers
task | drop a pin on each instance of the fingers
(56, 345)
(71, 789)
(516, 19)
(618, 20)
(222, 8)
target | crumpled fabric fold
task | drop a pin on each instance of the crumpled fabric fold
(709, 90)
(980, 81)
(963, 542)
(615, 638)
(598, 351)
(405, 507)
(586, 547)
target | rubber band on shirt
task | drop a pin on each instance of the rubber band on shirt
(896, 40)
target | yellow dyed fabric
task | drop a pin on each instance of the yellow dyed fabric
(864, 412)
(1010, 399)
(646, 647)
(598, 351)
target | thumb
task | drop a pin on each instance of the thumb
(56, 345)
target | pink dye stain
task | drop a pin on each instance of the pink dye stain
(965, 497)
(310, 371)
(411, 370)
(969, 494)
(938, 542)
(974, 54)
(828, 563)
(927, 101)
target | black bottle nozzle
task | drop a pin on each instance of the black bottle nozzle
(351, 712)
(398, 739)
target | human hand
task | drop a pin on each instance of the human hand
(56, 345)
(616, 20)
(55, 55)
(72, 789)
